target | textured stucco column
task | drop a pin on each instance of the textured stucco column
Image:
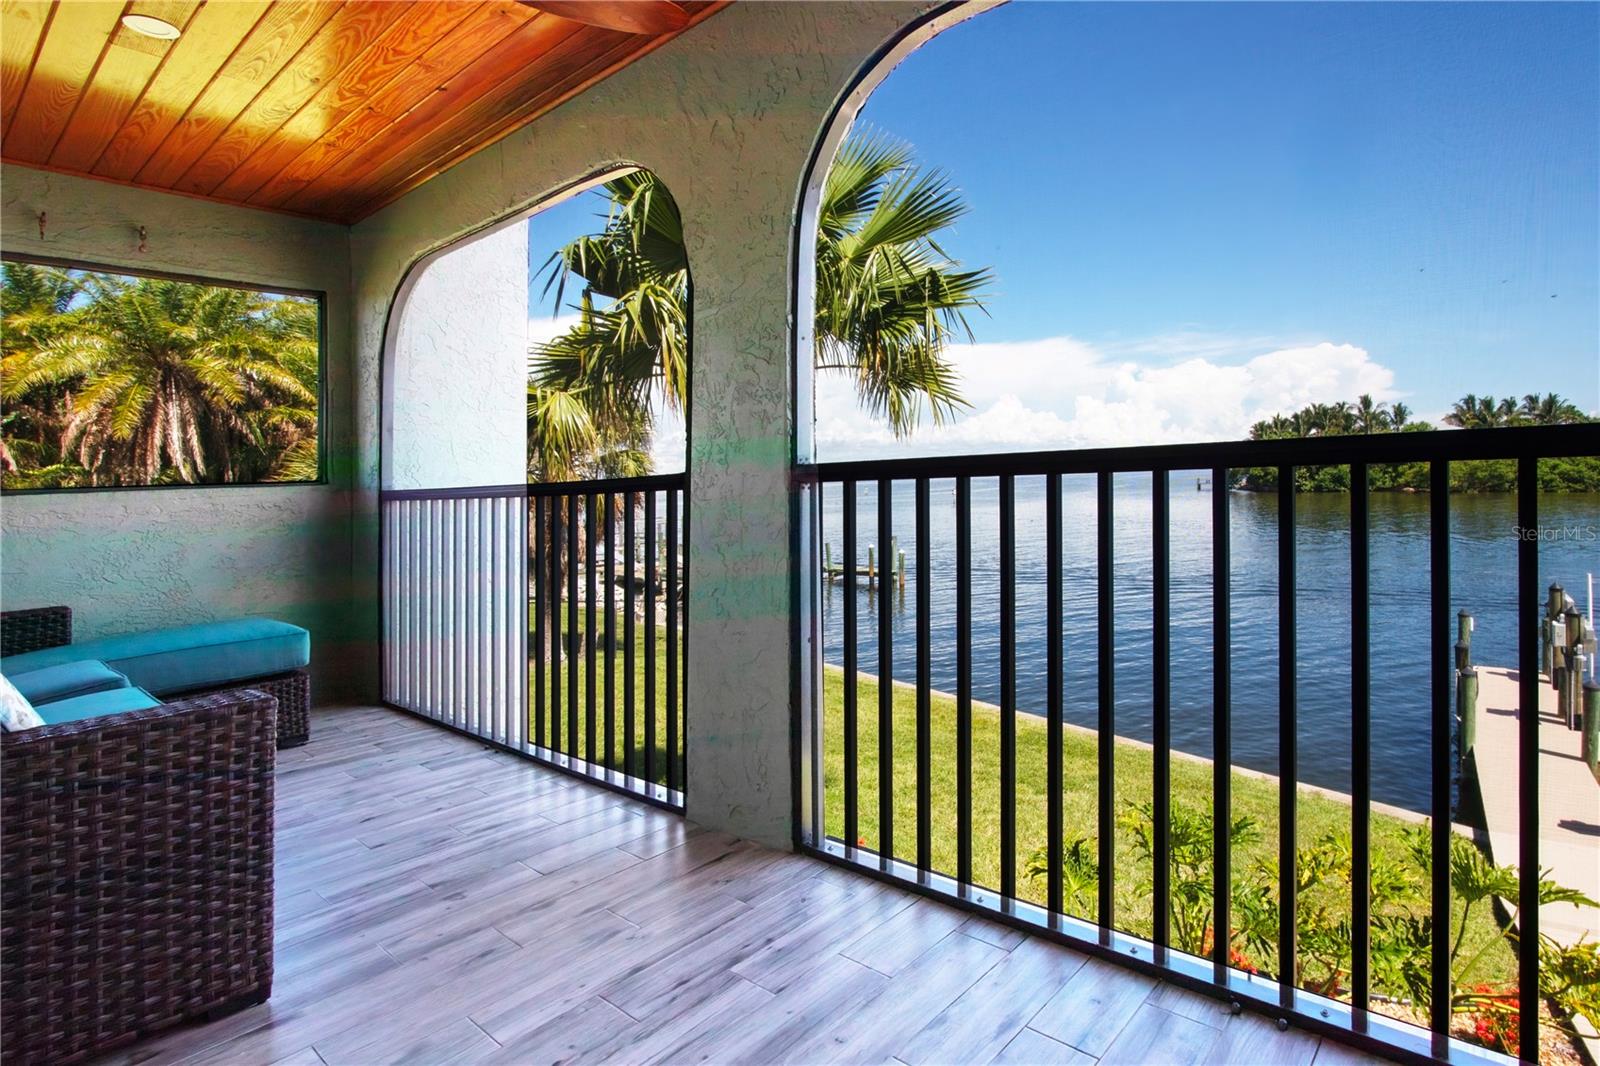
(727, 115)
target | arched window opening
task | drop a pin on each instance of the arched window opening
(1133, 348)
(534, 506)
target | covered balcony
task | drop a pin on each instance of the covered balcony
(408, 739)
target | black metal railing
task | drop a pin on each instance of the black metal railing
(836, 788)
(573, 631)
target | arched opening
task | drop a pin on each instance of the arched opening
(1069, 655)
(534, 525)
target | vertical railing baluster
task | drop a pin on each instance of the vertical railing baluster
(591, 590)
(473, 638)
(924, 683)
(650, 636)
(517, 612)
(556, 505)
(1360, 747)
(430, 617)
(574, 626)
(1106, 666)
(1008, 686)
(1161, 662)
(673, 778)
(451, 613)
(885, 579)
(458, 613)
(497, 584)
(1288, 735)
(1221, 723)
(609, 760)
(414, 601)
(852, 818)
(964, 680)
(629, 706)
(1527, 615)
(1443, 722)
(1054, 690)
(541, 608)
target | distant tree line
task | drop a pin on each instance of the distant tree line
(107, 379)
(1565, 474)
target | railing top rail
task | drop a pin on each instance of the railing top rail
(545, 488)
(1436, 445)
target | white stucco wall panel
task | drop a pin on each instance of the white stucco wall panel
(726, 115)
(130, 559)
(457, 388)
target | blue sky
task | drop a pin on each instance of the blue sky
(1245, 206)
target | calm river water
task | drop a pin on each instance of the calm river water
(1483, 582)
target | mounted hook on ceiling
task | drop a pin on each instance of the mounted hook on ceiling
(42, 219)
(143, 243)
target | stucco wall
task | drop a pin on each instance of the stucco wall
(727, 115)
(129, 559)
(457, 401)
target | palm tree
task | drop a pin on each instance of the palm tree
(1399, 416)
(1477, 412)
(1369, 416)
(36, 306)
(1549, 410)
(888, 302)
(172, 381)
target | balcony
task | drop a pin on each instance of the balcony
(1031, 756)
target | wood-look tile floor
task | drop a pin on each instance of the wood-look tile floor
(439, 901)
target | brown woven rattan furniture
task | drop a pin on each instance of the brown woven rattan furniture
(49, 627)
(135, 873)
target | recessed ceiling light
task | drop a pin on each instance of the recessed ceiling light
(151, 26)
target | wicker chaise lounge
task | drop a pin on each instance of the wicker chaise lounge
(178, 663)
(135, 873)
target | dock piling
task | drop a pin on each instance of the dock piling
(1591, 727)
(1467, 709)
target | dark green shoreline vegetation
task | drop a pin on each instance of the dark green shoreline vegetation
(1579, 473)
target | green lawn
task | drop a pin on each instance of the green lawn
(580, 749)
(1191, 788)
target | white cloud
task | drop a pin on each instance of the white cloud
(1062, 392)
(542, 328)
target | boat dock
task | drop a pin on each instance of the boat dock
(1569, 799)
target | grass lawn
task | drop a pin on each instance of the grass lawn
(1191, 788)
(619, 682)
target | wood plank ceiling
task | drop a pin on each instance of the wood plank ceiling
(325, 108)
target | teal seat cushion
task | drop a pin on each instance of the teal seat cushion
(97, 704)
(164, 661)
(79, 678)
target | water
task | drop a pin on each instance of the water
(1483, 549)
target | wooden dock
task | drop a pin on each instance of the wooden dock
(1569, 800)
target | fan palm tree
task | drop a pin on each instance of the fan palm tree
(888, 302)
(172, 381)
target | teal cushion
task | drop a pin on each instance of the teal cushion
(187, 657)
(96, 704)
(67, 680)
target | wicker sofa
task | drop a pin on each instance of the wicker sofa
(136, 865)
(32, 633)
